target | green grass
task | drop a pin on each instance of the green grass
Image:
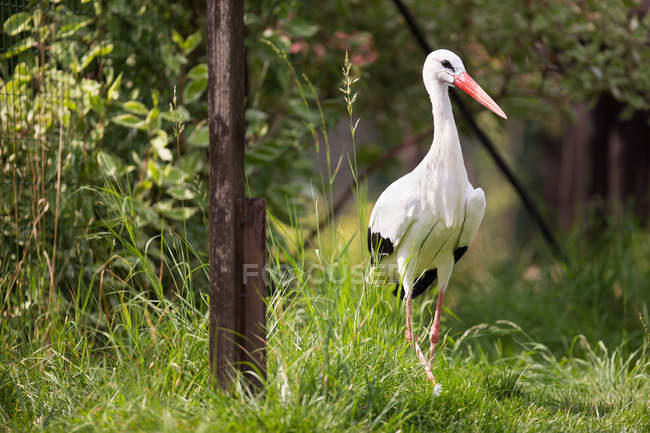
(513, 358)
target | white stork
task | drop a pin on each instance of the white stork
(424, 221)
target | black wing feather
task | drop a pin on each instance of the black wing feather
(458, 253)
(378, 246)
(421, 285)
(426, 280)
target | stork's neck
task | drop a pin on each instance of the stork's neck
(445, 154)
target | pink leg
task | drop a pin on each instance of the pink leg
(434, 336)
(410, 338)
(413, 340)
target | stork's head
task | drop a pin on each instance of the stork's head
(442, 67)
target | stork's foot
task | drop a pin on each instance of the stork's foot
(434, 338)
(426, 363)
(429, 372)
(428, 369)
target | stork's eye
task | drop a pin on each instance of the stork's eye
(447, 65)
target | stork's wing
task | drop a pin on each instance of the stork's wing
(474, 211)
(391, 217)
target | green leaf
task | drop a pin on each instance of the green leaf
(64, 53)
(91, 95)
(200, 137)
(173, 176)
(176, 37)
(113, 90)
(172, 59)
(181, 213)
(159, 145)
(142, 188)
(301, 28)
(181, 192)
(154, 172)
(96, 51)
(194, 90)
(178, 213)
(21, 46)
(165, 154)
(107, 163)
(72, 26)
(22, 73)
(97, 103)
(136, 107)
(160, 139)
(18, 23)
(179, 114)
(152, 120)
(192, 41)
(192, 162)
(129, 121)
(188, 45)
(198, 72)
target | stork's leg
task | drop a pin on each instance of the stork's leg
(444, 273)
(410, 338)
(434, 336)
(413, 339)
(407, 284)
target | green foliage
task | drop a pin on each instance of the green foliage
(118, 90)
(600, 294)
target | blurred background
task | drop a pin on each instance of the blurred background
(103, 131)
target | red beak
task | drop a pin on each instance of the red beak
(469, 86)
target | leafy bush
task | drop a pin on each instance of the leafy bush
(99, 93)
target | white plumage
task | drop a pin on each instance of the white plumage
(424, 221)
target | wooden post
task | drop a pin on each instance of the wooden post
(237, 224)
(251, 213)
(225, 38)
